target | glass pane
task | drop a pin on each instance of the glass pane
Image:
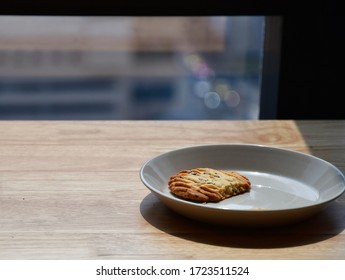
(130, 67)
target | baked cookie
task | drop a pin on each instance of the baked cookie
(207, 184)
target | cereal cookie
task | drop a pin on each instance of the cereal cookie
(207, 184)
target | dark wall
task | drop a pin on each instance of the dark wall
(312, 68)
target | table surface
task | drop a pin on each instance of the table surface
(71, 190)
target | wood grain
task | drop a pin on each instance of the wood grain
(71, 190)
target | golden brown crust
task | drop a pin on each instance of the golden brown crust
(207, 184)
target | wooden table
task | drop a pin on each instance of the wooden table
(71, 190)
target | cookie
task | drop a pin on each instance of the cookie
(207, 184)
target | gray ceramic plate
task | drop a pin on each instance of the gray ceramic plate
(287, 186)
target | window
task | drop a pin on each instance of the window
(131, 67)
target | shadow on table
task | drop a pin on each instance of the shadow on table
(330, 148)
(320, 227)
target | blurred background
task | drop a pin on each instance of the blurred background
(118, 67)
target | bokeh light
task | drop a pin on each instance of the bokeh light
(212, 100)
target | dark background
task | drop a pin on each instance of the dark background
(311, 78)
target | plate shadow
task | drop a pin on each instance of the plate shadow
(321, 226)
